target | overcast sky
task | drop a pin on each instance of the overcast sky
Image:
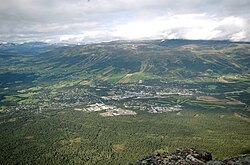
(105, 20)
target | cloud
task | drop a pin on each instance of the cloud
(187, 26)
(104, 20)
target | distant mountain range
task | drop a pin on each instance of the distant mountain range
(132, 61)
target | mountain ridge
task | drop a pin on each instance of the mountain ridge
(156, 57)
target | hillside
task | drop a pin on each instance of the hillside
(129, 61)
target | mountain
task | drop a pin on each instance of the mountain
(128, 61)
(26, 48)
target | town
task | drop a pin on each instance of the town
(106, 98)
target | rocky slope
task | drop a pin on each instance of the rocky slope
(190, 157)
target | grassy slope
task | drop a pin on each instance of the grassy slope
(114, 61)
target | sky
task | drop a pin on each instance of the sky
(78, 21)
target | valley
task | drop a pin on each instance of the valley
(110, 103)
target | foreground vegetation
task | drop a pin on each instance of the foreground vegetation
(68, 136)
